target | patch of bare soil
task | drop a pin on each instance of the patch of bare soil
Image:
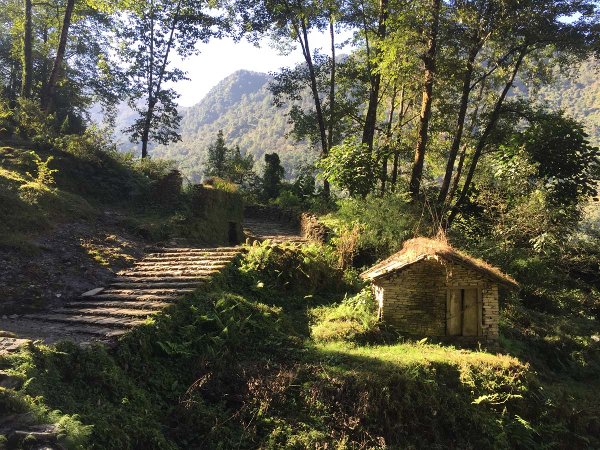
(68, 260)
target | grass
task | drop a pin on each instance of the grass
(235, 366)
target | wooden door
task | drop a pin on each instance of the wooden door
(470, 314)
(463, 312)
(454, 312)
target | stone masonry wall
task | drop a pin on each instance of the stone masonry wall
(414, 299)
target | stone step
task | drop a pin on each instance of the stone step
(198, 253)
(157, 285)
(199, 249)
(175, 265)
(136, 304)
(165, 279)
(166, 298)
(108, 312)
(153, 292)
(168, 273)
(103, 321)
(185, 258)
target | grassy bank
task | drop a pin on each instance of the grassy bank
(241, 364)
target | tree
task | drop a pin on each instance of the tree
(566, 162)
(228, 162)
(272, 176)
(429, 62)
(49, 88)
(293, 21)
(216, 159)
(152, 32)
(26, 81)
(352, 167)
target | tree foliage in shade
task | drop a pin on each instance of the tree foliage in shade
(352, 167)
(559, 147)
(272, 176)
(228, 163)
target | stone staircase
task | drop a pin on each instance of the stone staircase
(137, 293)
(262, 229)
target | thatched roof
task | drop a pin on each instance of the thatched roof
(418, 249)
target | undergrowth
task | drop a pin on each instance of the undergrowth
(234, 366)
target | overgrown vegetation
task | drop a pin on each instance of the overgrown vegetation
(233, 365)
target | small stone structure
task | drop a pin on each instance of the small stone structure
(431, 289)
(221, 213)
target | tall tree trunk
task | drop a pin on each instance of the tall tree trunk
(458, 173)
(429, 74)
(460, 123)
(484, 136)
(48, 92)
(152, 91)
(332, 104)
(375, 78)
(303, 39)
(26, 80)
(394, 179)
(388, 135)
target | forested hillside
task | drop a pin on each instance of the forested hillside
(577, 93)
(242, 106)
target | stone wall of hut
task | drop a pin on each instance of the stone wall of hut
(414, 299)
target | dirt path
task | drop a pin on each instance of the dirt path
(155, 281)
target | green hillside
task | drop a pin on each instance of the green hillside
(242, 106)
(577, 93)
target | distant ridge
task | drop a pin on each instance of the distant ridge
(242, 106)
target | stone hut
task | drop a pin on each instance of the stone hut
(431, 289)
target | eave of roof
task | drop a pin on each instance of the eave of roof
(419, 249)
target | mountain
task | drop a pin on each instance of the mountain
(242, 106)
(577, 93)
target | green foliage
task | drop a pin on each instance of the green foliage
(351, 167)
(350, 320)
(384, 222)
(228, 163)
(44, 174)
(272, 176)
(304, 269)
(242, 107)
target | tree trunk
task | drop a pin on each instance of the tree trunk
(375, 78)
(26, 80)
(332, 105)
(147, 126)
(152, 92)
(460, 123)
(395, 171)
(388, 136)
(484, 136)
(48, 92)
(429, 60)
(303, 38)
(456, 179)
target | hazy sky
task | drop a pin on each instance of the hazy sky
(220, 58)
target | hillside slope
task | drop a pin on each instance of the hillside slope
(242, 106)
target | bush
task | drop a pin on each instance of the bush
(384, 223)
(292, 268)
(350, 320)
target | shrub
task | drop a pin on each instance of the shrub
(349, 320)
(292, 268)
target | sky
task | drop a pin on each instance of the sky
(220, 58)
